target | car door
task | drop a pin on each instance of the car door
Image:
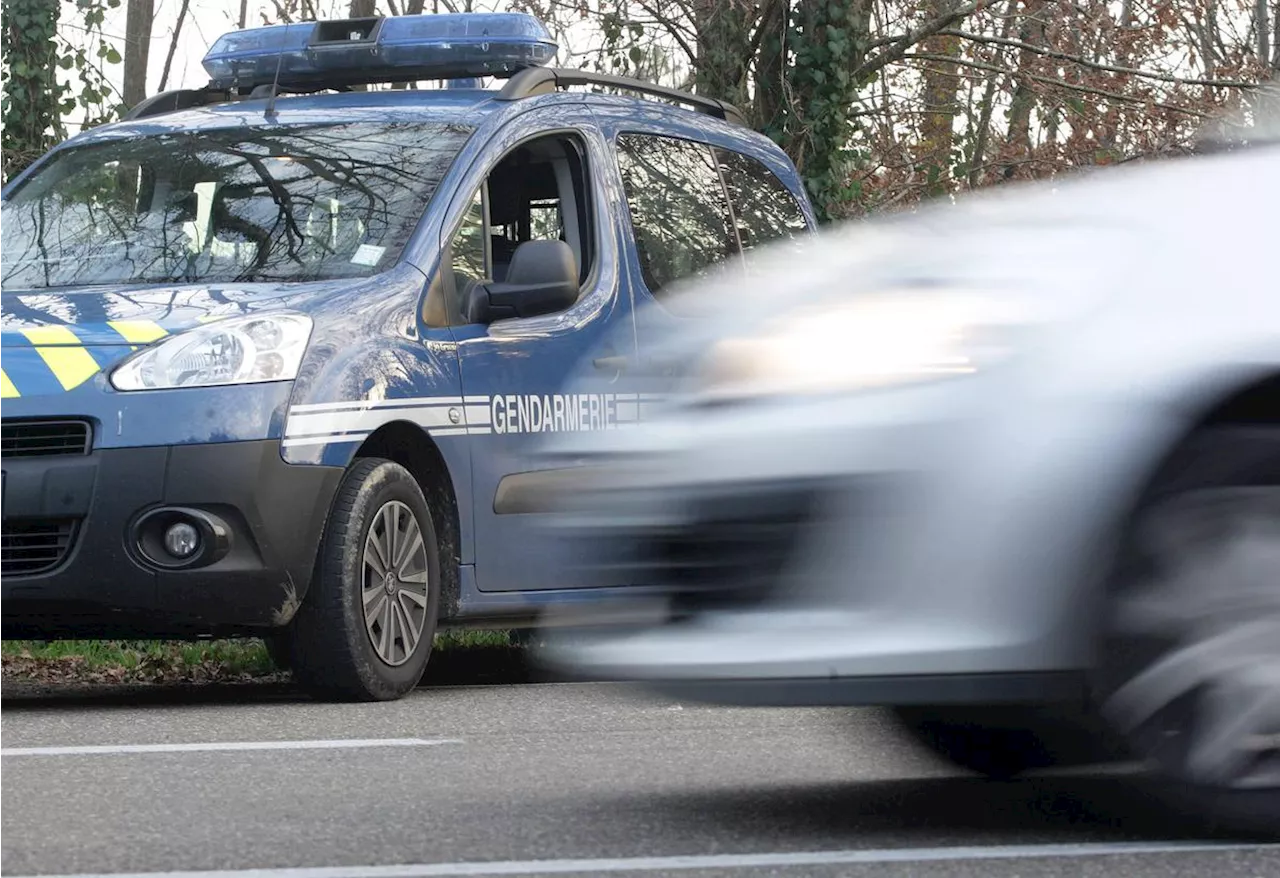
(543, 181)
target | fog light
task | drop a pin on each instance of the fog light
(181, 540)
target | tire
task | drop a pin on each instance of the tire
(1003, 741)
(1188, 666)
(338, 653)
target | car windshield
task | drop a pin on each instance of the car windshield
(288, 204)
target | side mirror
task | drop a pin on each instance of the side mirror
(542, 279)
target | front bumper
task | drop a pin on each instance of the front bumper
(951, 532)
(72, 567)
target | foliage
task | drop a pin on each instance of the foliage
(883, 102)
(95, 97)
(37, 103)
(879, 102)
(464, 655)
(815, 124)
(32, 121)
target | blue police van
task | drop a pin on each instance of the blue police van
(277, 352)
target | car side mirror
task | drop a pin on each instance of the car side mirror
(542, 279)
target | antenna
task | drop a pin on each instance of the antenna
(275, 82)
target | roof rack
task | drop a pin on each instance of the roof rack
(178, 99)
(545, 80)
(188, 98)
(528, 82)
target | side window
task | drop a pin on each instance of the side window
(464, 263)
(678, 207)
(764, 209)
(469, 257)
(536, 192)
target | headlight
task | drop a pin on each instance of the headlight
(239, 350)
(865, 342)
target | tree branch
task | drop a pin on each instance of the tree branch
(899, 47)
(989, 104)
(1049, 80)
(1092, 65)
(173, 44)
(671, 29)
(766, 13)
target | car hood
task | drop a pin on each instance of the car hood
(54, 341)
(1067, 248)
(1006, 249)
(117, 315)
(1060, 254)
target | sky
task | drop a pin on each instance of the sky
(205, 21)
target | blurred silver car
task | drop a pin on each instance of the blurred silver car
(1010, 465)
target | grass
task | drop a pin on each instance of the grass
(237, 656)
(165, 660)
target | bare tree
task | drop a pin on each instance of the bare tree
(139, 15)
(173, 43)
(940, 85)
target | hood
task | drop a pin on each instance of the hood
(1058, 252)
(54, 341)
(1028, 261)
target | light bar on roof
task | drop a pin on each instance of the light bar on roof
(357, 51)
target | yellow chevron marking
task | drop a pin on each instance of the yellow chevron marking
(7, 390)
(138, 331)
(62, 352)
(59, 335)
(71, 366)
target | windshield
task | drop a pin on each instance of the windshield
(280, 204)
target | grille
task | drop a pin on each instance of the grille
(731, 550)
(28, 547)
(735, 551)
(43, 438)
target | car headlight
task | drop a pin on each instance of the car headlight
(892, 338)
(238, 350)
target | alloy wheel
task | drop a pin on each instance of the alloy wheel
(395, 583)
(1194, 645)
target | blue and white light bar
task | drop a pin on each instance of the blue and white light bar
(358, 51)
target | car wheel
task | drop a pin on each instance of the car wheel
(1188, 670)
(1002, 741)
(365, 630)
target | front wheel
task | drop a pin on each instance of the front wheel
(365, 630)
(1188, 669)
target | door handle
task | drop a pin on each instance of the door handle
(615, 363)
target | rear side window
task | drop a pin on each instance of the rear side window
(764, 209)
(678, 207)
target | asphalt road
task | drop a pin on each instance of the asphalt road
(588, 779)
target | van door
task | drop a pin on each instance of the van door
(539, 187)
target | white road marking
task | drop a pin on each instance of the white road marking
(707, 861)
(210, 746)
